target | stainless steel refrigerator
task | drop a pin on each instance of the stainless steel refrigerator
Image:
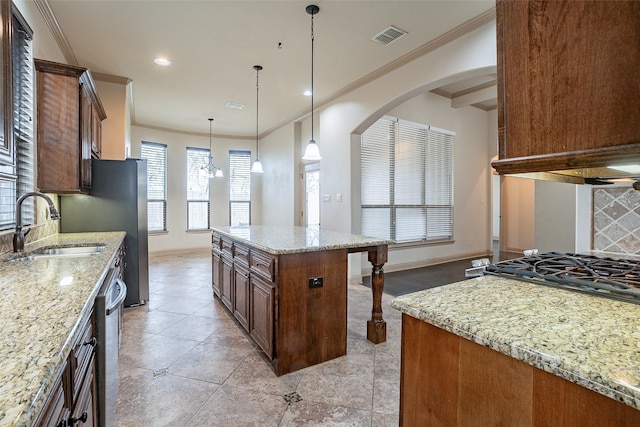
(117, 202)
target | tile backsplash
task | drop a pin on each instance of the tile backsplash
(616, 220)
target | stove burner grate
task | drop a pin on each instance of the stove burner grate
(615, 278)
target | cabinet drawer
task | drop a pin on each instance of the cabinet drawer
(81, 357)
(227, 246)
(241, 254)
(263, 264)
(216, 241)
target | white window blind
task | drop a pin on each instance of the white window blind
(406, 182)
(198, 206)
(18, 179)
(156, 155)
(239, 188)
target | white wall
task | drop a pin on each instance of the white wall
(555, 216)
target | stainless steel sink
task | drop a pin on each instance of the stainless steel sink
(61, 252)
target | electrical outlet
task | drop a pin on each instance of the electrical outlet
(315, 282)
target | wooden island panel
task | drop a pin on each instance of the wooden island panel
(447, 380)
(312, 322)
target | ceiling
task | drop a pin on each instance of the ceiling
(213, 46)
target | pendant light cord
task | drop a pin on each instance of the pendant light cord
(257, 98)
(312, 91)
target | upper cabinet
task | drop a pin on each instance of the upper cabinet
(568, 85)
(69, 127)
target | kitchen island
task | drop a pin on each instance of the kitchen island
(44, 306)
(287, 287)
(497, 351)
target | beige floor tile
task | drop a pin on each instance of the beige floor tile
(183, 305)
(338, 382)
(210, 362)
(231, 406)
(255, 374)
(155, 352)
(312, 414)
(164, 401)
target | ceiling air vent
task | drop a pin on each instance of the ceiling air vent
(388, 35)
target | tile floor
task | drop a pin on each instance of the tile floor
(185, 362)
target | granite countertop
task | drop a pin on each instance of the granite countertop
(43, 302)
(279, 240)
(589, 340)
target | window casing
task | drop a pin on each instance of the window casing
(156, 156)
(406, 182)
(18, 178)
(239, 188)
(198, 205)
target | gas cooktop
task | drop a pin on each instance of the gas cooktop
(609, 277)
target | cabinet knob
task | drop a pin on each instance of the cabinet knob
(83, 418)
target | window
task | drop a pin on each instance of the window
(239, 188)
(406, 182)
(16, 180)
(198, 206)
(156, 155)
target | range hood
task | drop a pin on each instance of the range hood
(599, 166)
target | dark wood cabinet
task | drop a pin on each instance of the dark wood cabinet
(241, 294)
(55, 411)
(451, 381)
(568, 84)
(72, 401)
(261, 313)
(69, 127)
(226, 282)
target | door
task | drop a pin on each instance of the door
(311, 209)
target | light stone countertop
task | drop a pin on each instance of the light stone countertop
(42, 304)
(589, 340)
(278, 240)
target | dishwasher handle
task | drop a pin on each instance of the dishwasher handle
(122, 294)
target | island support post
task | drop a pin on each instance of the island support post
(377, 326)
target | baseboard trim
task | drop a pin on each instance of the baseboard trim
(366, 271)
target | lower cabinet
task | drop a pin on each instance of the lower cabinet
(261, 313)
(215, 272)
(241, 294)
(244, 280)
(73, 399)
(56, 408)
(226, 282)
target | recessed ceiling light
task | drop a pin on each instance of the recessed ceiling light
(307, 93)
(164, 62)
(234, 105)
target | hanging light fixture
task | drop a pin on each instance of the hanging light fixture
(212, 171)
(312, 152)
(257, 166)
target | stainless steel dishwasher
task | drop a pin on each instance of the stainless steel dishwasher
(108, 312)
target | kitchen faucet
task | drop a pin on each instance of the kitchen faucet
(18, 236)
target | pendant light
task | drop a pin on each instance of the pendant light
(312, 152)
(212, 171)
(257, 166)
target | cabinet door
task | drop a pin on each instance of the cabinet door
(56, 410)
(96, 134)
(241, 297)
(567, 80)
(226, 280)
(262, 313)
(86, 136)
(84, 409)
(216, 262)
